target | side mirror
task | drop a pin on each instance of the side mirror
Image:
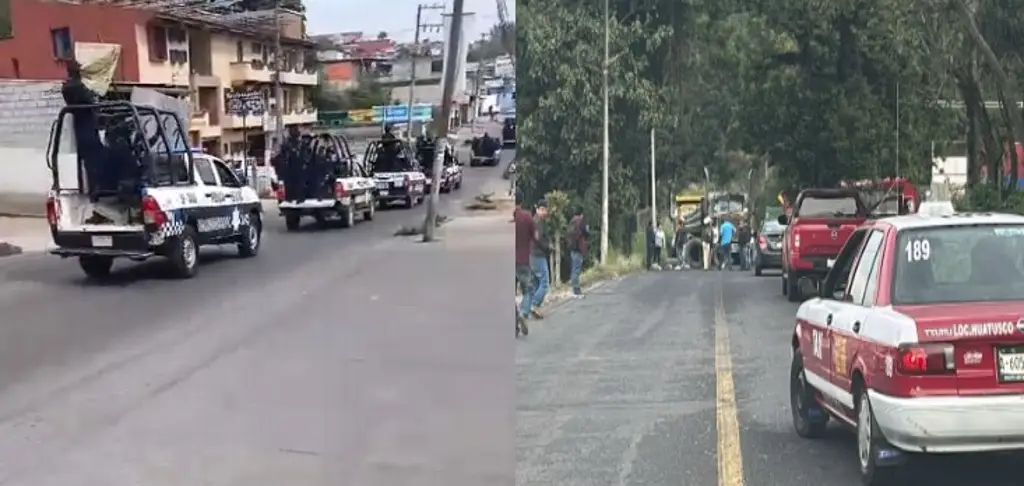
(783, 219)
(808, 287)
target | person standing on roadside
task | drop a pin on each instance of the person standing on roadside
(659, 244)
(525, 234)
(726, 233)
(649, 246)
(578, 233)
(743, 239)
(539, 257)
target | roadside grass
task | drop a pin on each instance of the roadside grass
(618, 266)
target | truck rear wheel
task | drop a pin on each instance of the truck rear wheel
(96, 266)
(371, 209)
(291, 222)
(348, 215)
(693, 254)
(183, 253)
(793, 288)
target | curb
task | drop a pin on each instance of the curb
(554, 304)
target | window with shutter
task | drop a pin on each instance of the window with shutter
(157, 44)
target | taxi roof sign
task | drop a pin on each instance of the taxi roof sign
(937, 208)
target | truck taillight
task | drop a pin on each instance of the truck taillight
(926, 359)
(152, 214)
(52, 210)
(762, 242)
(339, 191)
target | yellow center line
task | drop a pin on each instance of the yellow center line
(730, 455)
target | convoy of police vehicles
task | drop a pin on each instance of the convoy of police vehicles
(140, 192)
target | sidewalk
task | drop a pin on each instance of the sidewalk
(29, 234)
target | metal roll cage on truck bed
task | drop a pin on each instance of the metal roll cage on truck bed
(336, 188)
(141, 192)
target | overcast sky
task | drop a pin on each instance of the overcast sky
(396, 17)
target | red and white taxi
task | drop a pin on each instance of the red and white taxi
(916, 339)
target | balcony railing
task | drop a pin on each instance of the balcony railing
(300, 76)
(250, 71)
(237, 122)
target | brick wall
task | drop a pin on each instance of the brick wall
(27, 111)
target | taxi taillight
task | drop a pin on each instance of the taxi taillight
(339, 191)
(926, 359)
(762, 242)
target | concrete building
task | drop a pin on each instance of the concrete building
(200, 56)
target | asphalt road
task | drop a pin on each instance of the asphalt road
(334, 357)
(681, 378)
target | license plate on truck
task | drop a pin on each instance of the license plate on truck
(102, 241)
(1010, 363)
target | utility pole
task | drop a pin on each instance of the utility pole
(278, 90)
(476, 87)
(420, 26)
(452, 64)
(604, 145)
(654, 186)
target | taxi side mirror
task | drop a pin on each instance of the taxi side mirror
(783, 220)
(808, 287)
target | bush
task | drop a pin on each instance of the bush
(984, 197)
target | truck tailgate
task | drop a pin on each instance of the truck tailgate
(825, 236)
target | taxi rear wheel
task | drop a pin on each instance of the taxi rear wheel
(870, 443)
(809, 419)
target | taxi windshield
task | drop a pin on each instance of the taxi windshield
(959, 264)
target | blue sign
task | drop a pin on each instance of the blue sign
(400, 113)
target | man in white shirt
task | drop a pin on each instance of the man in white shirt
(659, 244)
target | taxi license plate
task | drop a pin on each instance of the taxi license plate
(1010, 362)
(103, 241)
(382, 192)
(383, 186)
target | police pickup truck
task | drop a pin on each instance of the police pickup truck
(323, 180)
(396, 173)
(451, 168)
(141, 193)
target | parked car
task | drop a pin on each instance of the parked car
(768, 252)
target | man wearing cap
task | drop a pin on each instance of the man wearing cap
(539, 257)
(525, 234)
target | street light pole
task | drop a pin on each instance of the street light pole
(654, 186)
(605, 142)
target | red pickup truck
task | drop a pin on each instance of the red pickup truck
(818, 226)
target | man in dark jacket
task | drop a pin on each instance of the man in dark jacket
(87, 136)
(289, 165)
(539, 257)
(577, 238)
(649, 246)
(525, 234)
